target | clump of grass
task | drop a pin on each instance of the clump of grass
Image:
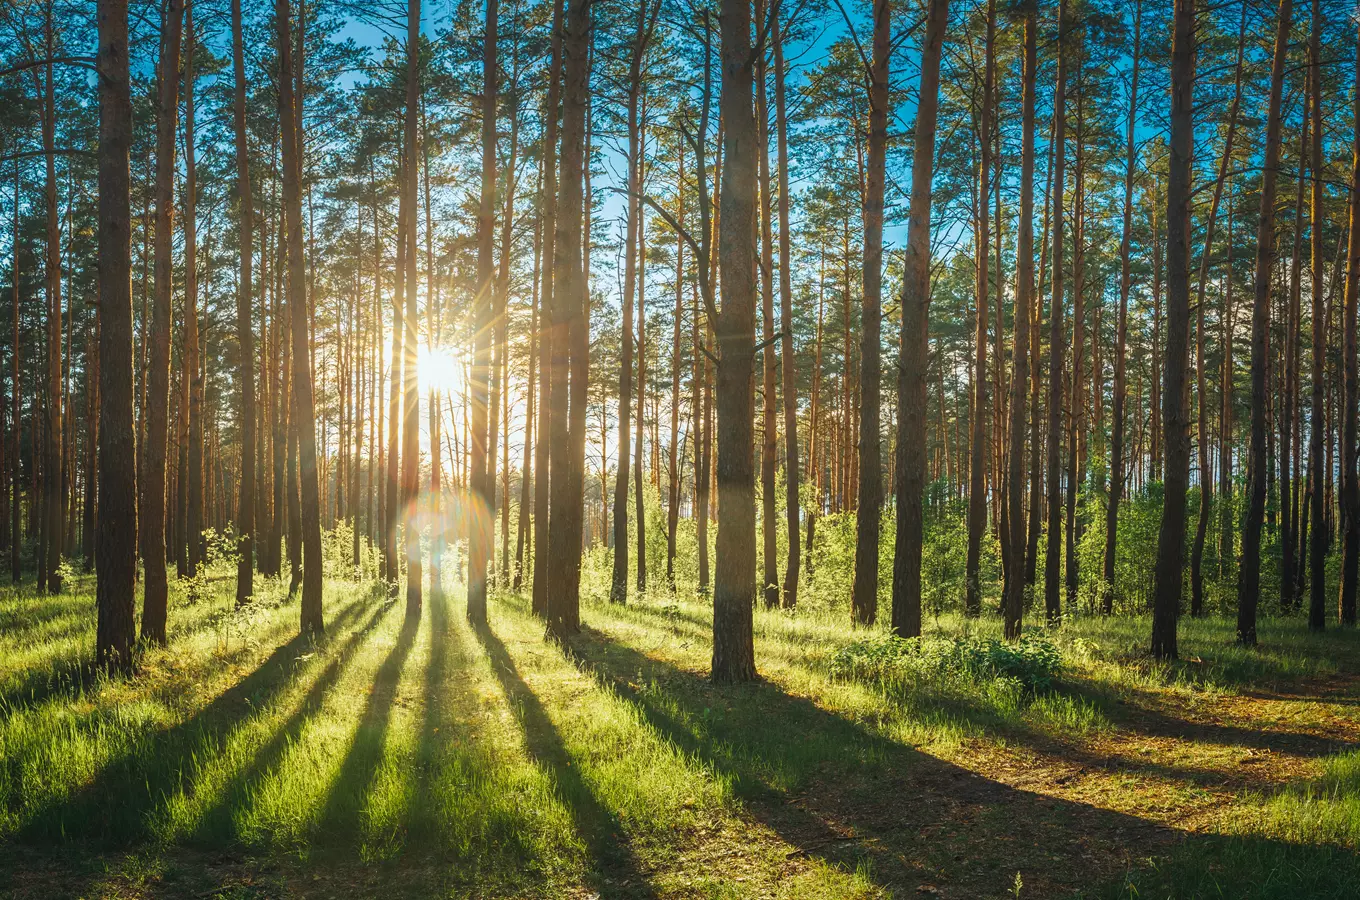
(1031, 664)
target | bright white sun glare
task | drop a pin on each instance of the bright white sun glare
(440, 369)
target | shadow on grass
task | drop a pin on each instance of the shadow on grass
(115, 806)
(216, 825)
(835, 790)
(341, 816)
(613, 867)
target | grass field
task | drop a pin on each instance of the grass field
(405, 758)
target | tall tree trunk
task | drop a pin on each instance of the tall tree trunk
(640, 511)
(410, 449)
(117, 507)
(1317, 549)
(675, 461)
(1350, 476)
(734, 584)
(769, 428)
(152, 506)
(618, 592)
(546, 331)
(1249, 572)
(1171, 539)
(789, 371)
(303, 411)
(1014, 600)
(915, 348)
(1053, 554)
(482, 488)
(192, 368)
(867, 510)
(1117, 463)
(569, 338)
(977, 474)
(15, 389)
(245, 332)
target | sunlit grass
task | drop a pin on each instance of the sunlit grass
(490, 761)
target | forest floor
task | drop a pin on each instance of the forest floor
(405, 757)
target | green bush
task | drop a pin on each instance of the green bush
(1032, 663)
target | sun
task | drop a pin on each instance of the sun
(440, 369)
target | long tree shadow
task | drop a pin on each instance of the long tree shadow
(114, 807)
(340, 817)
(216, 824)
(833, 789)
(422, 815)
(614, 869)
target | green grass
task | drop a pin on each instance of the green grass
(423, 757)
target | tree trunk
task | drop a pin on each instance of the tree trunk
(915, 347)
(245, 332)
(1249, 572)
(117, 509)
(1320, 539)
(865, 592)
(1171, 539)
(152, 506)
(569, 341)
(410, 449)
(303, 411)
(1350, 477)
(1014, 600)
(734, 584)
(977, 473)
(1053, 554)
(789, 372)
(1117, 463)
(191, 374)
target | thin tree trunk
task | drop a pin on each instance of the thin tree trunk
(152, 506)
(410, 450)
(1350, 477)
(191, 374)
(1053, 555)
(1014, 602)
(789, 372)
(245, 332)
(977, 473)
(1317, 549)
(864, 598)
(303, 411)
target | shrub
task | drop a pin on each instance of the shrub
(1032, 663)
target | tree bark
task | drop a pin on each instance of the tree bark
(302, 407)
(245, 332)
(864, 598)
(977, 472)
(734, 584)
(1014, 599)
(915, 347)
(410, 450)
(153, 495)
(116, 545)
(192, 373)
(1171, 539)
(1350, 477)
(1320, 539)
(1053, 553)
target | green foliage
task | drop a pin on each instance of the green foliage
(1032, 663)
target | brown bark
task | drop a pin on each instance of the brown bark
(646, 21)
(977, 474)
(1117, 462)
(245, 332)
(1171, 539)
(734, 584)
(915, 352)
(410, 449)
(1014, 599)
(152, 506)
(1053, 553)
(569, 339)
(192, 374)
(482, 492)
(302, 407)
(789, 374)
(1317, 466)
(864, 598)
(117, 508)
(1350, 476)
